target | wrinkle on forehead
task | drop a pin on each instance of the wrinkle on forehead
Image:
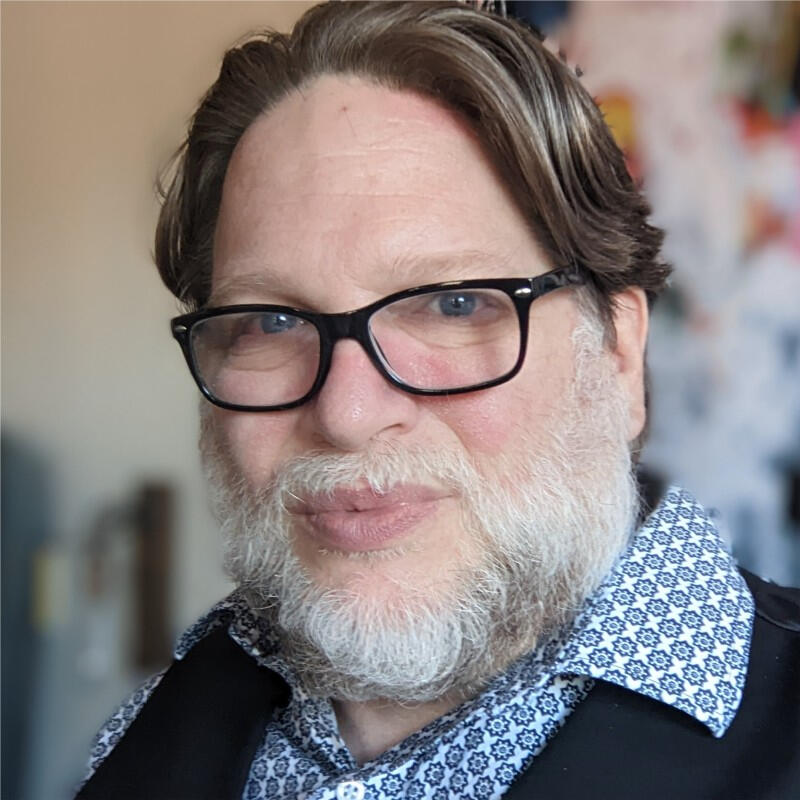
(325, 128)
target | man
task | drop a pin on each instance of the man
(418, 277)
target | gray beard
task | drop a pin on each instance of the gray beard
(550, 520)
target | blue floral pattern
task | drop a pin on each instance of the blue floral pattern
(672, 621)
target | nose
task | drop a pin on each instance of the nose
(357, 404)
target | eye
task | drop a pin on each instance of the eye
(456, 304)
(276, 322)
(245, 331)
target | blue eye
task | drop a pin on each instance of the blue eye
(277, 323)
(454, 304)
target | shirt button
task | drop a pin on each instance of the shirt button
(350, 790)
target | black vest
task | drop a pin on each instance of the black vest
(196, 736)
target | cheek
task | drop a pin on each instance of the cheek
(257, 442)
(494, 421)
(485, 422)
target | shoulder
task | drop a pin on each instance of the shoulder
(118, 723)
(771, 701)
(776, 605)
(220, 615)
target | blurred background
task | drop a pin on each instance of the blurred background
(108, 550)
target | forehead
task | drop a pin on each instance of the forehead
(365, 188)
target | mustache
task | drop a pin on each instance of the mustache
(381, 469)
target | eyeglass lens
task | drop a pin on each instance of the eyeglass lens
(439, 340)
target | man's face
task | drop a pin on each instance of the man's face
(343, 194)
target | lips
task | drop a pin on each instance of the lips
(354, 520)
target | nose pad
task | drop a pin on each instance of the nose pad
(356, 403)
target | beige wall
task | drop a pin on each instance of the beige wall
(95, 96)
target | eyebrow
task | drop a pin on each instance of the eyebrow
(263, 282)
(418, 270)
(404, 272)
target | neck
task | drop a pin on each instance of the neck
(371, 727)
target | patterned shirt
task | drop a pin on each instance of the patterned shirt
(672, 621)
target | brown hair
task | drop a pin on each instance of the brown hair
(538, 125)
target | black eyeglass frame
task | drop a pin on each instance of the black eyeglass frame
(355, 325)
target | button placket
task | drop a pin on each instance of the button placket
(350, 790)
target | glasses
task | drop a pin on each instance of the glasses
(440, 339)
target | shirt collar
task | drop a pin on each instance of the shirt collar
(673, 619)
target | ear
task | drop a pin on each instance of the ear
(630, 323)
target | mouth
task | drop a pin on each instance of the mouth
(359, 520)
